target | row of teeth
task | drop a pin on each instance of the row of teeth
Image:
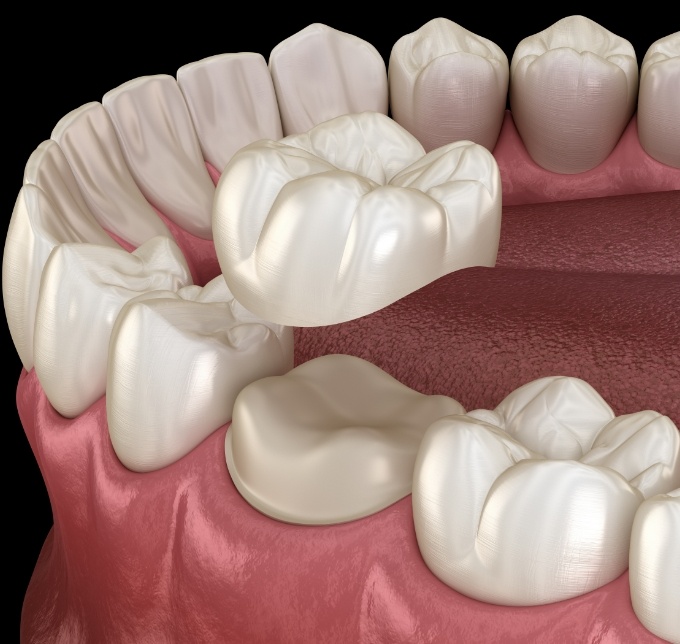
(93, 318)
(530, 503)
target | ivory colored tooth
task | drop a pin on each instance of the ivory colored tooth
(49, 210)
(82, 290)
(88, 140)
(332, 440)
(159, 143)
(507, 515)
(176, 363)
(232, 103)
(320, 73)
(334, 224)
(573, 89)
(448, 84)
(655, 565)
(658, 116)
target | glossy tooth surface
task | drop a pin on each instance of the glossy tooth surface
(573, 89)
(159, 143)
(655, 565)
(232, 103)
(48, 211)
(658, 117)
(499, 520)
(176, 363)
(320, 73)
(88, 140)
(334, 224)
(82, 290)
(448, 84)
(333, 440)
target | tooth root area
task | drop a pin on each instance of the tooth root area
(572, 92)
(320, 73)
(654, 565)
(333, 440)
(448, 84)
(82, 290)
(191, 359)
(658, 104)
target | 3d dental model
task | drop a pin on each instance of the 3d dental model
(529, 508)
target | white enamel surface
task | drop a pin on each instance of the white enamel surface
(176, 363)
(655, 565)
(658, 117)
(320, 73)
(333, 440)
(331, 225)
(82, 290)
(159, 143)
(88, 140)
(448, 84)
(573, 89)
(49, 210)
(232, 103)
(500, 521)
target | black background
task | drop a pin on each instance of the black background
(58, 61)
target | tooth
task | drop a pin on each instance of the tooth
(176, 363)
(658, 116)
(320, 73)
(573, 88)
(40, 222)
(333, 440)
(448, 84)
(655, 564)
(159, 143)
(232, 103)
(557, 416)
(505, 513)
(643, 447)
(88, 140)
(83, 288)
(332, 225)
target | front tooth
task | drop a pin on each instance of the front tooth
(320, 73)
(497, 523)
(448, 84)
(232, 103)
(573, 88)
(337, 223)
(40, 222)
(88, 140)
(333, 440)
(176, 363)
(658, 117)
(83, 288)
(655, 565)
(155, 131)
(505, 514)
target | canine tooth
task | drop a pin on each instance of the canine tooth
(655, 565)
(658, 117)
(40, 222)
(333, 440)
(573, 88)
(89, 142)
(232, 103)
(159, 143)
(498, 521)
(448, 84)
(176, 363)
(83, 288)
(326, 235)
(320, 73)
